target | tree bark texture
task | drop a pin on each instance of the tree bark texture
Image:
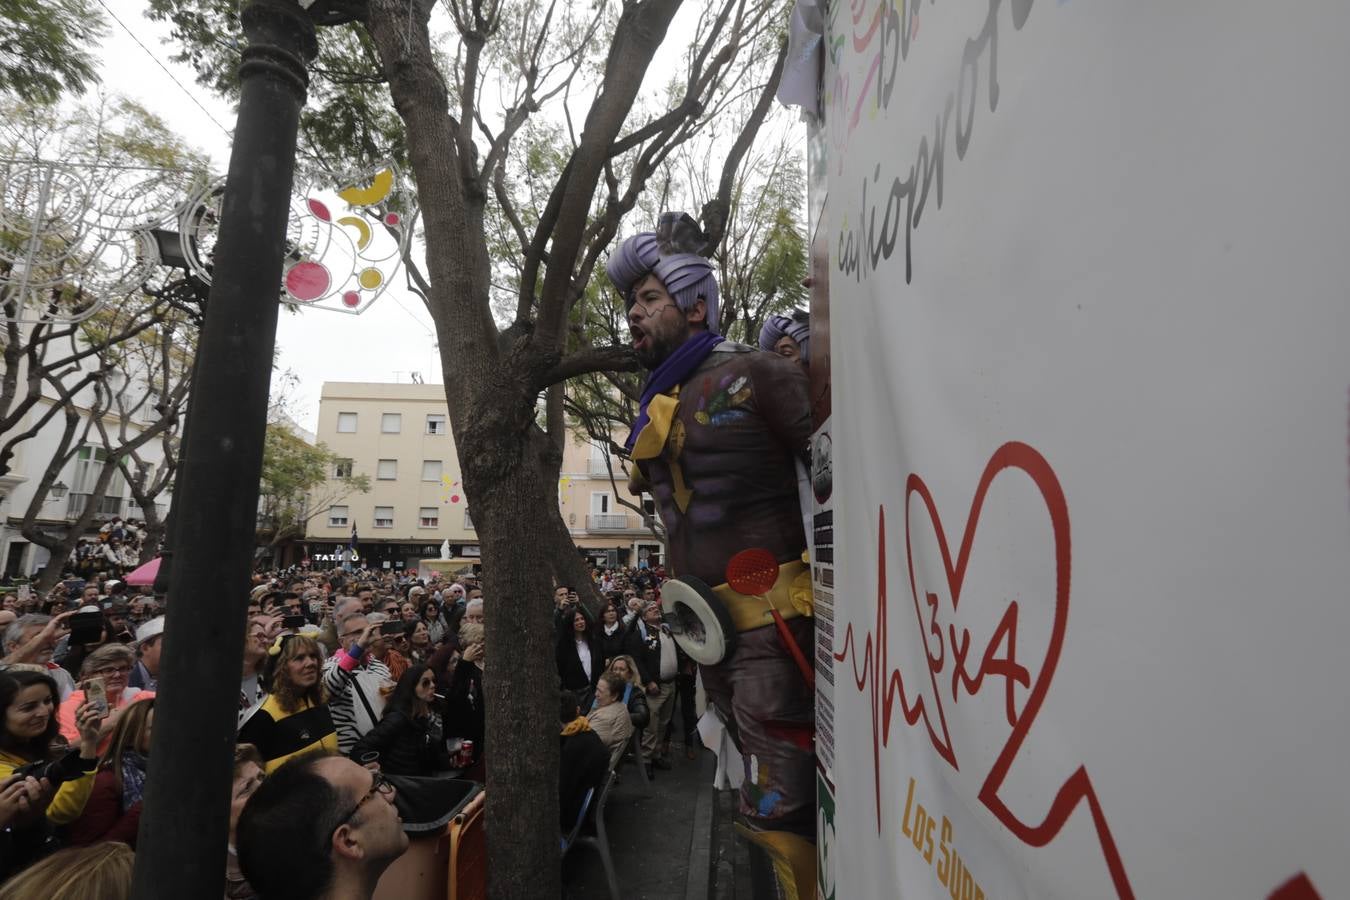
(491, 405)
(509, 465)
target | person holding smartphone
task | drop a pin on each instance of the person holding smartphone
(29, 747)
(104, 682)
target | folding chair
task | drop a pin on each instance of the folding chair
(570, 838)
(468, 852)
(600, 840)
(636, 741)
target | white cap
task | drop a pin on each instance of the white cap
(150, 629)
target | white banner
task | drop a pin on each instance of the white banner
(1090, 310)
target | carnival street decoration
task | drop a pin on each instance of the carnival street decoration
(73, 237)
(76, 237)
(344, 247)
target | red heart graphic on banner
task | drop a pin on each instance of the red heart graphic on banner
(886, 684)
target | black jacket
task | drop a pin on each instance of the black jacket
(646, 652)
(583, 764)
(638, 710)
(610, 645)
(464, 706)
(407, 746)
(570, 670)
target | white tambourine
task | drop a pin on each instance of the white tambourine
(698, 619)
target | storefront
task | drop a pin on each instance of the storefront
(390, 556)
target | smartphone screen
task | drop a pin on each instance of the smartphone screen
(293, 622)
(388, 628)
(96, 693)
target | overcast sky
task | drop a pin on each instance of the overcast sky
(389, 341)
(393, 337)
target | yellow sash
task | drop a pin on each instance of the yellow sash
(790, 595)
(651, 440)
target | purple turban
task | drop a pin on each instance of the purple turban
(796, 326)
(671, 253)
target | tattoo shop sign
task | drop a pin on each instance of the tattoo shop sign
(1090, 334)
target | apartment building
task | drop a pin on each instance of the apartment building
(399, 435)
(73, 486)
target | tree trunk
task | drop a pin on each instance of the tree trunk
(153, 540)
(507, 493)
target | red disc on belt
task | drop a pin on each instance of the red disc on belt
(752, 572)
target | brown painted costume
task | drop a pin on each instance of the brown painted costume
(724, 481)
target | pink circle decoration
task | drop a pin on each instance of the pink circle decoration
(391, 219)
(351, 298)
(454, 498)
(320, 211)
(307, 281)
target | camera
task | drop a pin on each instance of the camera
(57, 771)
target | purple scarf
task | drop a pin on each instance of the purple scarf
(675, 370)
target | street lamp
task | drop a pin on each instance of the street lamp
(170, 246)
(58, 490)
(188, 789)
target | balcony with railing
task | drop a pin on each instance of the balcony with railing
(611, 522)
(108, 507)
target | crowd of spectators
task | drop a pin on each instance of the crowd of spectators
(349, 682)
(113, 553)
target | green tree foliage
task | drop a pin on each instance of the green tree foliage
(298, 483)
(347, 118)
(44, 47)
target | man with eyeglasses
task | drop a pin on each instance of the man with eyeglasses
(319, 828)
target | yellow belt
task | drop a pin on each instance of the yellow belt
(790, 595)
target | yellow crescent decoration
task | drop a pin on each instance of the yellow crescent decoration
(369, 196)
(361, 227)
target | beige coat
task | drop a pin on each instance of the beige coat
(614, 727)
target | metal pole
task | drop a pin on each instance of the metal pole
(181, 847)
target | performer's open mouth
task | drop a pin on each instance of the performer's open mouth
(640, 339)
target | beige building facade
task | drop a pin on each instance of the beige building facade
(399, 435)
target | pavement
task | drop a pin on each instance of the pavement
(661, 843)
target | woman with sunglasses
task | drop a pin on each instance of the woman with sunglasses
(410, 737)
(294, 719)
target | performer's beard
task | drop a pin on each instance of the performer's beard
(654, 345)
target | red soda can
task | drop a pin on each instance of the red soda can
(466, 754)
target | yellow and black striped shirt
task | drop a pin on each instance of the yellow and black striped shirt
(280, 735)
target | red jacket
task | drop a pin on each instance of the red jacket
(103, 819)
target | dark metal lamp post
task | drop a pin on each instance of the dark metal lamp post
(180, 850)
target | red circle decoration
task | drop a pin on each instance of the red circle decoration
(752, 572)
(351, 298)
(307, 281)
(392, 219)
(320, 211)
(454, 498)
